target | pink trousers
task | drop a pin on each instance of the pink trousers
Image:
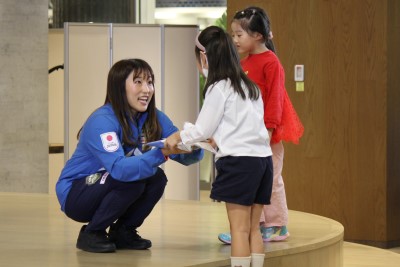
(276, 214)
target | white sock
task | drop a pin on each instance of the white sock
(240, 261)
(257, 260)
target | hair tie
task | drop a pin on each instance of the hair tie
(270, 36)
(198, 44)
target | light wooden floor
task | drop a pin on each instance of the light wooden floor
(34, 232)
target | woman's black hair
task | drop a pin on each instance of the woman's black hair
(224, 62)
(116, 96)
(254, 19)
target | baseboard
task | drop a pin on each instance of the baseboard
(378, 244)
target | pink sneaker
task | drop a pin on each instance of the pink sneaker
(274, 233)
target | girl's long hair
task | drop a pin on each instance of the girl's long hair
(224, 62)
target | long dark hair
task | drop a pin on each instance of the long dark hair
(116, 96)
(254, 19)
(224, 62)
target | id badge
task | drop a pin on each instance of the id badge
(93, 178)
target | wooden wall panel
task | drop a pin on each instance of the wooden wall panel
(393, 133)
(340, 169)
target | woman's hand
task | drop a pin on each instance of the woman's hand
(173, 140)
(171, 145)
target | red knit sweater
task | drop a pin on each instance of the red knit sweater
(266, 70)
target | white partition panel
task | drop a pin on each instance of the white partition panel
(140, 41)
(181, 103)
(87, 62)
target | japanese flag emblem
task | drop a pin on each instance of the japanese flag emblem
(110, 141)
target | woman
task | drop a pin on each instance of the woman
(112, 177)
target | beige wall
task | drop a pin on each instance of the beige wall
(23, 96)
(56, 87)
(56, 104)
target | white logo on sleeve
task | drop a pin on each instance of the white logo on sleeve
(110, 141)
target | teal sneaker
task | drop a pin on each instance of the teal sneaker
(274, 233)
(225, 238)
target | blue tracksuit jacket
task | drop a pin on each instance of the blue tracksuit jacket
(100, 147)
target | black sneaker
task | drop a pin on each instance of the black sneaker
(125, 238)
(94, 241)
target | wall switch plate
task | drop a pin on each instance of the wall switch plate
(298, 73)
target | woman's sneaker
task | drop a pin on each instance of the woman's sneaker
(127, 238)
(94, 241)
(274, 233)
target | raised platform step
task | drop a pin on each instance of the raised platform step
(184, 233)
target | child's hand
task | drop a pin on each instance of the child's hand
(174, 150)
(212, 142)
(270, 131)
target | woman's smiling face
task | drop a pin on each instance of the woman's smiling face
(139, 91)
